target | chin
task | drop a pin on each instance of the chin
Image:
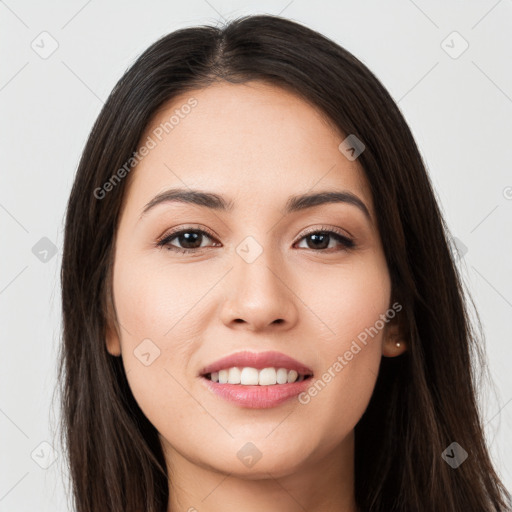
(274, 466)
(256, 461)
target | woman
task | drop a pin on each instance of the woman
(261, 310)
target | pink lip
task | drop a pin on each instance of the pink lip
(258, 360)
(257, 397)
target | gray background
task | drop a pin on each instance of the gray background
(459, 107)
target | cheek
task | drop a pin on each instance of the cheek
(155, 301)
(158, 311)
(352, 307)
(349, 298)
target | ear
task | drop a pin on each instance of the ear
(394, 342)
(113, 343)
(112, 337)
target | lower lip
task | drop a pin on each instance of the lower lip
(257, 397)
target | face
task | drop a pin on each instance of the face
(309, 281)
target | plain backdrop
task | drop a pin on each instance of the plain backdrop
(447, 64)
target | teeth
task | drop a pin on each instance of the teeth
(233, 376)
(292, 376)
(252, 377)
(268, 377)
(248, 377)
(282, 376)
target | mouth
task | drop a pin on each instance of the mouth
(257, 369)
(256, 380)
(248, 376)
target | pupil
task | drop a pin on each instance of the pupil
(189, 240)
(316, 238)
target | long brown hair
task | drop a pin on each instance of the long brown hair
(423, 401)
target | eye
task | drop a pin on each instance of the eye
(321, 239)
(189, 239)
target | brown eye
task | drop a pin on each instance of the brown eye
(321, 240)
(189, 240)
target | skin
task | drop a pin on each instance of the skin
(254, 144)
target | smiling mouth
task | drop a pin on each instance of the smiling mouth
(248, 376)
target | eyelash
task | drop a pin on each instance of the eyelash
(347, 243)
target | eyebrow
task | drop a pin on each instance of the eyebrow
(294, 203)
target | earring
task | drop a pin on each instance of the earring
(398, 344)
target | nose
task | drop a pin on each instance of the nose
(259, 296)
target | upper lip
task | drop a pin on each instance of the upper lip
(258, 360)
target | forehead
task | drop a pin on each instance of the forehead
(253, 142)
